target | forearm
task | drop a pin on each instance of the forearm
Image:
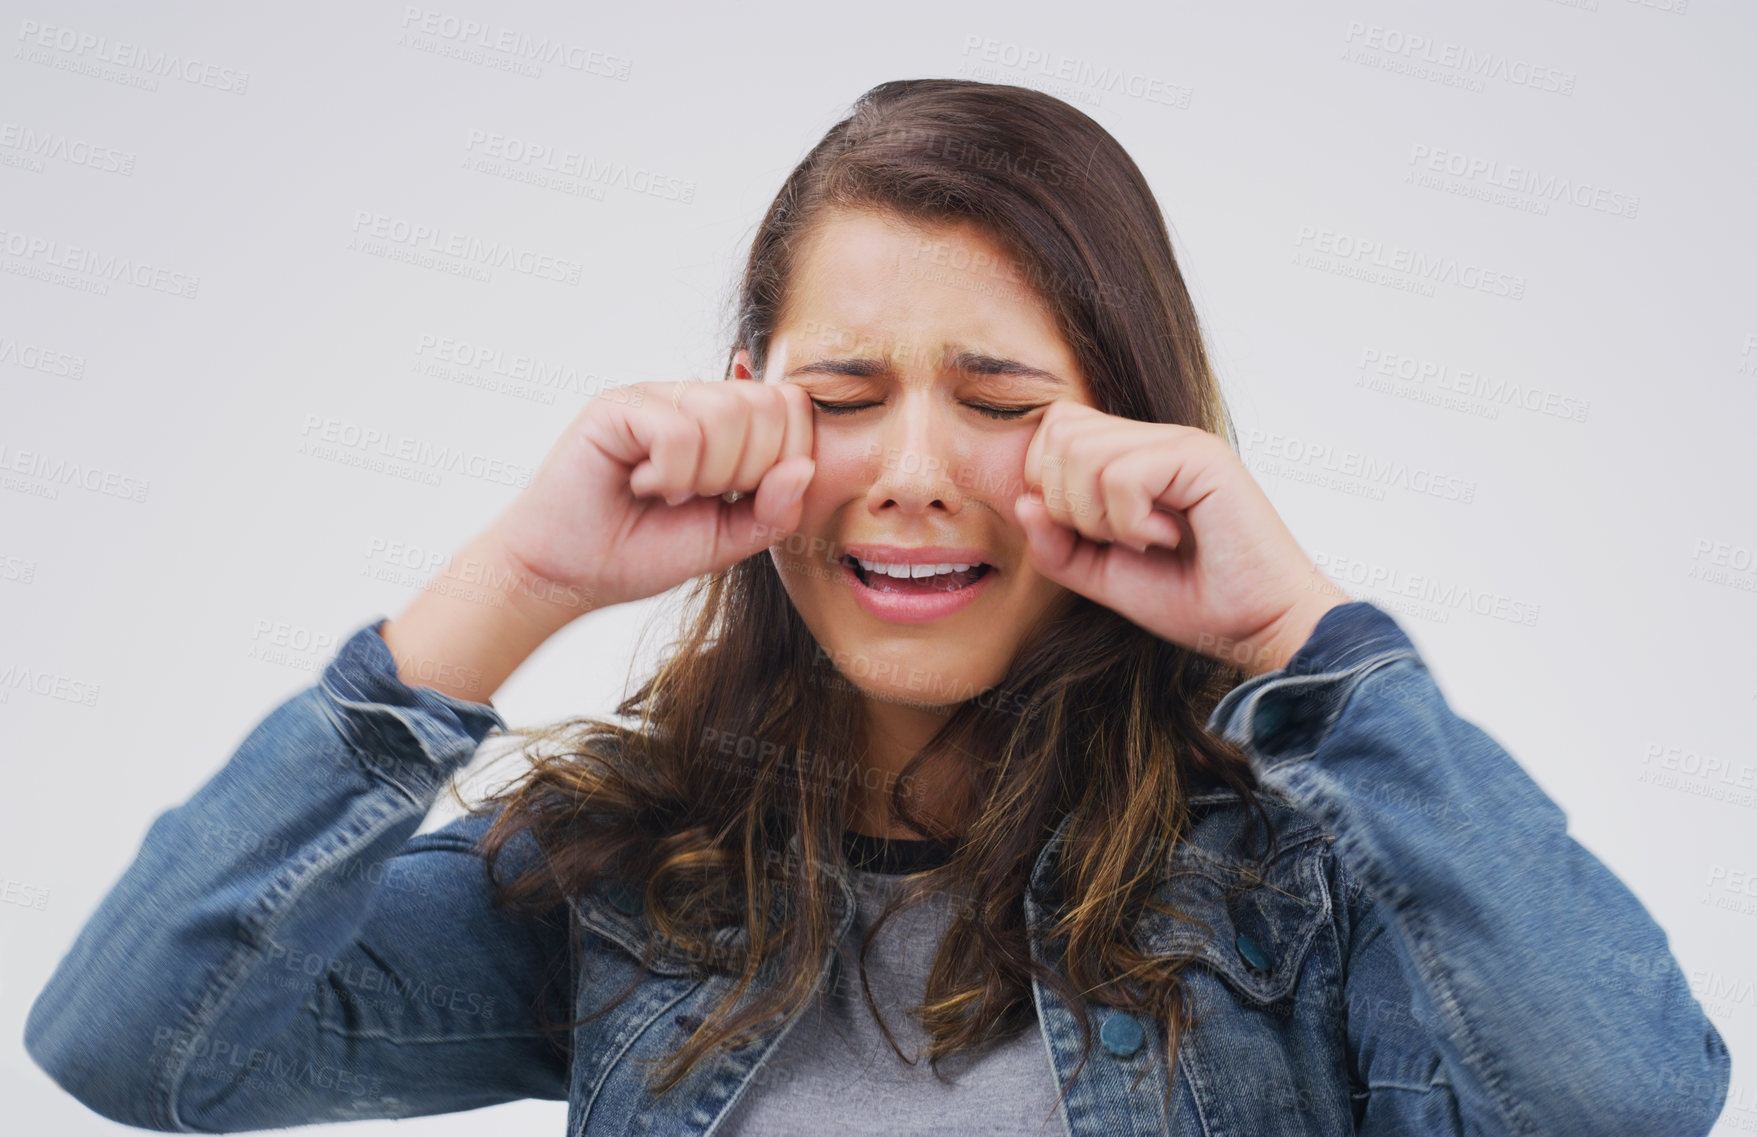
(477, 622)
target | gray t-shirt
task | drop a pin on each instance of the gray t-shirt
(835, 1072)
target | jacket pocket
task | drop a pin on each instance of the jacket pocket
(1254, 931)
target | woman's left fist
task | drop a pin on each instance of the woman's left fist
(1163, 524)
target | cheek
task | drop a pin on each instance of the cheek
(998, 468)
(846, 461)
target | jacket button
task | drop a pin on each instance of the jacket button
(1270, 717)
(1121, 1035)
(1253, 955)
(625, 898)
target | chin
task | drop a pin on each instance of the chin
(912, 673)
(912, 700)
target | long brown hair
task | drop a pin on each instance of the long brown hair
(1101, 730)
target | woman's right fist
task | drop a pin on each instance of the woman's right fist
(627, 503)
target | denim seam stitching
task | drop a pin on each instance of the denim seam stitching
(1231, 865)
(589, 912)
(1061, 1104)
(1410, 920)
(1412, 925)
(1199, 1092)
(773, 1046)
(1349, 678)
(415, 795)
(257, 923)
(623, 1041)
(427, 1040)
(1341, 909)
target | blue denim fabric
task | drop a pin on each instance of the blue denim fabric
(1430, 952)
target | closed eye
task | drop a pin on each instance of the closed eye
(1002, 412)
(840, 408)
(983, 408)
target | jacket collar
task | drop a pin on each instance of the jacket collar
(1290, 825)
(1209, 850)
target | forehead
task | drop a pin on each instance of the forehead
(873, 282)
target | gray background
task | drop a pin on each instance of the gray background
(1551, 490)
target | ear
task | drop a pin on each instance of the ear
(741, 365)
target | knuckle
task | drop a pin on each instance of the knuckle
(1113, 480)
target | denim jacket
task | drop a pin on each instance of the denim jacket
(1430, 952)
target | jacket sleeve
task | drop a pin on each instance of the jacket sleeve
(1499, 978)
(283, 950)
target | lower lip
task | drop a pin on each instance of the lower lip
(913, 607)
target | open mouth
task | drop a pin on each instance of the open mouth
(932, 578)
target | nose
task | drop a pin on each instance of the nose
(915, 458)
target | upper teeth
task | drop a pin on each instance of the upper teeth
(908, 571)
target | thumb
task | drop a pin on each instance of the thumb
(776, 508)
(1062, 554)
(1053, 547)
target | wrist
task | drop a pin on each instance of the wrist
(477, 621)
(543, 602)
(1273, 647)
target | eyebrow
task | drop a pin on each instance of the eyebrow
(971, 361)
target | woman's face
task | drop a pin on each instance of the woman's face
(943, 359)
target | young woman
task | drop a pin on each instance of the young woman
(1013, 731)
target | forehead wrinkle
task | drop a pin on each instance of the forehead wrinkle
(849, 302)
(963, 362)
